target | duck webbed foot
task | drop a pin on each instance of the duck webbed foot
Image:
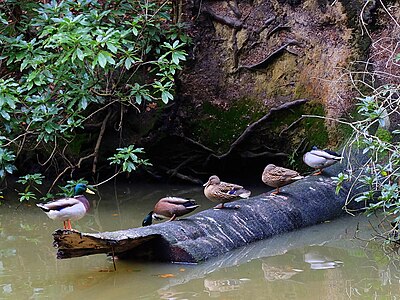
(319, 172)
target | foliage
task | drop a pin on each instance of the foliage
(381, 173)
(30, 181)
(6, 162)
(127, 158)
(67, 64)
(378, 139)
(68, 189)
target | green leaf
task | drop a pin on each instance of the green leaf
(112, 48)
(83, 103)
(79, 54)
(5, 115)
(128, 63)
(138, 99)
(102, 59)
(166, 96)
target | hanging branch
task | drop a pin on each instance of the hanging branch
(99, 139)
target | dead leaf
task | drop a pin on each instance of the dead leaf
(168, 275)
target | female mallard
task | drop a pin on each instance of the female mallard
(278, 177)
(320, 159)
(170, 208)
(223, 192)
(67, 209)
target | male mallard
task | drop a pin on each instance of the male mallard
(223, 192)
(319, 159)
(170, 208)
(67, 209)
(278, 177)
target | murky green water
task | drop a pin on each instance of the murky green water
(319, 262)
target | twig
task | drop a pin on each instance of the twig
(100, 137)
(291, 125)
(198, 144)
(108, 179)
(58, 177)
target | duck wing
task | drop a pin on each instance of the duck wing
(179, 201)
(325, 154)
(226, 187)
(59, 204)
(283, 173)
(234, 190)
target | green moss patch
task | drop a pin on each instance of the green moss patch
(218, 127)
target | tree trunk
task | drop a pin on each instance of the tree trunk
(213, 232)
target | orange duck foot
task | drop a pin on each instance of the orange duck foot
(319, 172)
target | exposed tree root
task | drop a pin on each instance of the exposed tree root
(231, 22)
(264, 63)
(235, 8)
(277, 29)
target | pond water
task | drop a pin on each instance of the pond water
(318, 262)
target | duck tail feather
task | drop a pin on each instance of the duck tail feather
(42, 207)
(242, 193)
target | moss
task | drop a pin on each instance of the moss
(292, 134)
(284, 132)
(315, 129)
(384, 135)
(219, 127)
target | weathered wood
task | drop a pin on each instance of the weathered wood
(213, 232)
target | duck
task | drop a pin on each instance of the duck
(70, 208)
(278, 177)
(223, 192)
(170, 208)
(320, 159)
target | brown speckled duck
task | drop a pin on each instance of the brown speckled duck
(170, 208)
(223, 192)
(278, 177)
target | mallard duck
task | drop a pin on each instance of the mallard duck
(278, 177)
(67, 209)
(320, 159)
(223, 192)
(170, 208)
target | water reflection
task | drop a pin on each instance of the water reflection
(272, 273)
(214, 288)
(320, 262)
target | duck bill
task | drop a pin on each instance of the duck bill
(89, 191)
(206, 184)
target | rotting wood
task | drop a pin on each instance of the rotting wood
(213, 232)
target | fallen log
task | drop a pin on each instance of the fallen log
(213, 232)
